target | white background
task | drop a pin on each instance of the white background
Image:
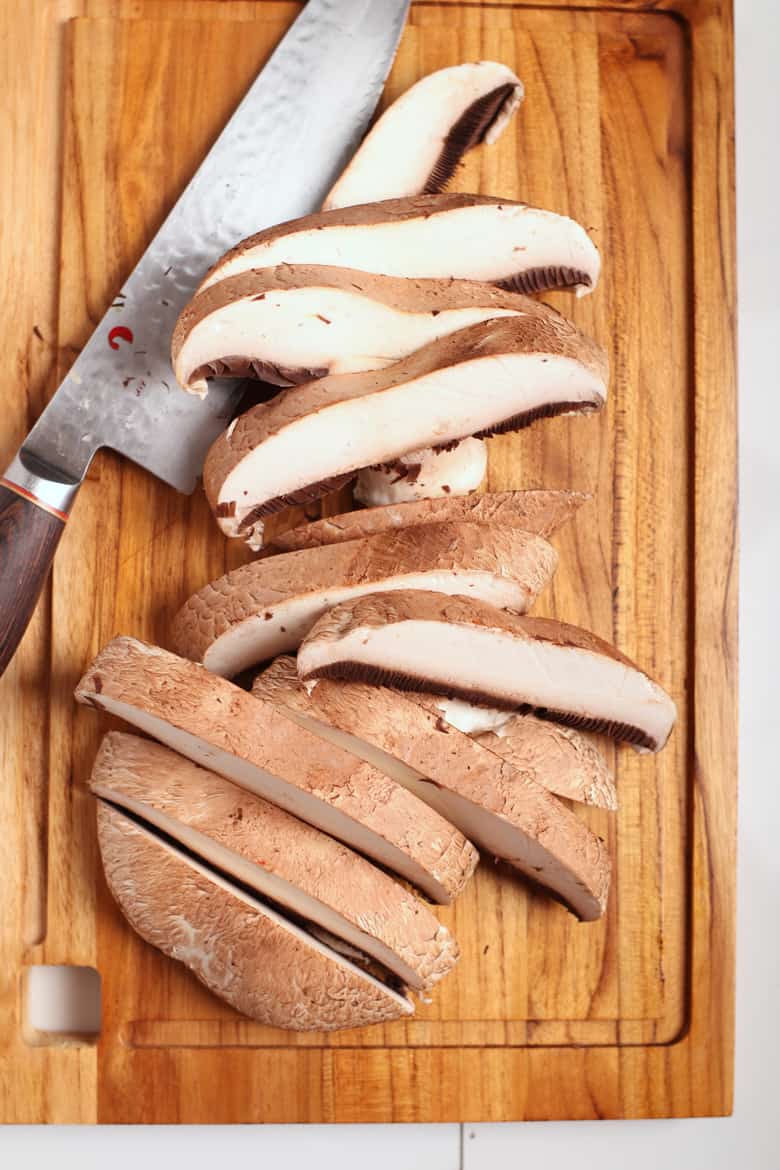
(750, 1140)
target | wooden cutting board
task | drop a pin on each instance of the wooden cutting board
(626, 126)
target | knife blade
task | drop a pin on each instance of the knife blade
(275, 160)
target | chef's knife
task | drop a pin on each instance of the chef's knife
(275, 160)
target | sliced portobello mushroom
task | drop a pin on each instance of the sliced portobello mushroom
(266, 607)
(242, 950)
(221, 727)
(498, 376)
(462, 648)
(295, 322)
(414, 149)
(423, 475)
(540, 511)
(560, 758)
(281, 859)
(471, 237)
(419, 140)
(508, 812)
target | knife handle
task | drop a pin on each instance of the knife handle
(33, 512)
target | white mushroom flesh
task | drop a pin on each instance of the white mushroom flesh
(258, 638)
(266, 883)
(313, 329)
(489, 241)
(436, 408)
(287, 796)
(425, 474)
(404, 152)
(512, 671)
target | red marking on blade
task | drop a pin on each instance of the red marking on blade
(119, 332)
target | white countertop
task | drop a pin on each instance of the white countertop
(750, 1140)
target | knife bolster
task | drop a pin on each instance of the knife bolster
(27, 478)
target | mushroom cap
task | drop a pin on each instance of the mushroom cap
(536, 510)
(419, 140)
(472, 237)
(466, 649)
(240, 949)
(219, 726)
(508, 812)
(561, 758)
(278, 856)
(266, 607)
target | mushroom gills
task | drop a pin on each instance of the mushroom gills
(525, 367)
(238, 945)
(469, 237)
(433, 472)
(263, 849)
(417, 143)
(464, 649)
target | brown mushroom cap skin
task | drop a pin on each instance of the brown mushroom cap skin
(250, 471)
(217, 725)
(560, 758)
(296, 322)
(542, 511)
(523, 248)
(417, 143)
(508, 811)
(265, 607)
(351, 642)
(247, 955)
(276, 855)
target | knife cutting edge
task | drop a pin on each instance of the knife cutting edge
(277, 157)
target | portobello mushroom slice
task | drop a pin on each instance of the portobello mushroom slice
(414, 149)
(560, 758)
(245, 952)
(419, 140)
(279, 858)
(221, 727)
(423, 475)
(498, 376)
(540, 511)
(462, 648)
(471, 237)
(508, 812)
(266, 607)
(296, 322)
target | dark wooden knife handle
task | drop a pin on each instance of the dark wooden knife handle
(29, 535)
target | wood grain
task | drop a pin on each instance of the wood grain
(627, 126)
